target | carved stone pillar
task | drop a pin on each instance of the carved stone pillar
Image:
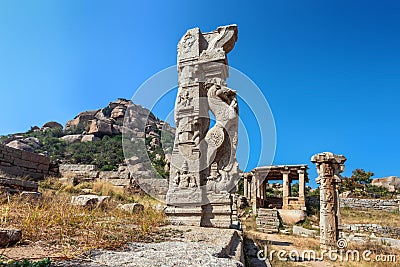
(204, 170)
(329, 166)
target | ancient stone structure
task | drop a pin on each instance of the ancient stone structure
(203, 168)
(256, 183)
(291, 208)
(329, 167)
(371, 204)
(19, 163)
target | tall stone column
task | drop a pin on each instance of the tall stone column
(302, 186)
(329, 167)
(302, 190)
(204, 170)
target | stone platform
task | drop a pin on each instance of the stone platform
(221, 212)
(194, 246)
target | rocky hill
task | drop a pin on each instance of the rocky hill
(95, 137)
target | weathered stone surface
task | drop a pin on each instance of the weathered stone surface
(72, 138)
(52, 125)
(195, 246)
(79, 171)
(329, 167)
(291, 217)
(100, 128)
(298, 230)
(30, 195)
(19, 184)
(154, 186)
(391, 183)
(267, 220)
(374, 204)
(89, 138)
(88, 200)
(27, 144)
(81, 121)
(132, 207)
(203, 163)
(9, 236)
(77, 167)
(378, 230)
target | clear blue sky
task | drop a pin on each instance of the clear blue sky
(330, 70)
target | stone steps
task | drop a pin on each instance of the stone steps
(267, 220)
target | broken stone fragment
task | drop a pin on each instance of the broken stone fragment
(132, 207)
(30, 195)
(90, 201)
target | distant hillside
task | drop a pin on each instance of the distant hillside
(95, 137)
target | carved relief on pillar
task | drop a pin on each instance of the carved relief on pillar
(204, 159)
(329, 166)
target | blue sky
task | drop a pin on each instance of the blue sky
(330, 70)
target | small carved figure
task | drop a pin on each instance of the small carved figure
(177, 178)
(185, 99)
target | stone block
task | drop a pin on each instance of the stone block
(298, 230)
(291, 217)
(89, 201)
(132, 207)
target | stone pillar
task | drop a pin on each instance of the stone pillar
(329, 166)
(302, 186)
(286, 189)
(249, 187)
(264, 195)
(258, 187)
(204, 170)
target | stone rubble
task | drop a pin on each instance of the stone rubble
(89, 201)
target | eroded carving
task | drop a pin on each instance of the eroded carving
(204, 160)
(329, 166)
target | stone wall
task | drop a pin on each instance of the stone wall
(378, 230)
(78, 171)
(121, 177)
(375, 204)
(361, 203)
(19, 163)
(155, 187)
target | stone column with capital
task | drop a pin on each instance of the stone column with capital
(204, 170)
(329, 167)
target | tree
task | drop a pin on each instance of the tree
(357, 182)
(362, 177)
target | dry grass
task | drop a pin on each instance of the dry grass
(71, 230)
(384, 218)
(290, 242)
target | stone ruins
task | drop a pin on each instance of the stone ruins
(329, 167)
(204, 170)
(291, 209)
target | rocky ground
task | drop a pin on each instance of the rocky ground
(189, 246)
